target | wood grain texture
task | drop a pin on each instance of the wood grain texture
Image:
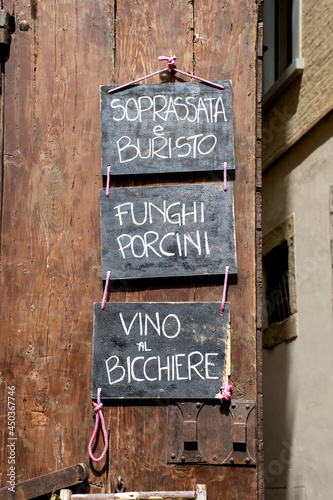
(147, 30)
(260, 417)
(144, 31)
(224, 49)
(51, 263)
(227, 51)
(51, 254)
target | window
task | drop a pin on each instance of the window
(275, 264)
(279, 287)
(282, 60)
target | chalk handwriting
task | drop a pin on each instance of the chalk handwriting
(142, 346)
(167, 128)
(174, 213)
(161, 107)
(173, 367)
(144, 325)
(151, 243)
(159, 349)
(165, 147)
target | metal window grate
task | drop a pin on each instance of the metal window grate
(277, 290)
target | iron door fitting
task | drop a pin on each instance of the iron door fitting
(213, 434)
(5, 30)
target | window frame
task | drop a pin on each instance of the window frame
(296, 66)
(286, 330)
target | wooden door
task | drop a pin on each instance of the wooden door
(61, 51)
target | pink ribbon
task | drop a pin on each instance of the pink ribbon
(224, 294)
(108, 173)
(225, 176)
(108, 274)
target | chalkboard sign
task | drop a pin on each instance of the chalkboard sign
(176, 230)
(178, 127)
(159, 350)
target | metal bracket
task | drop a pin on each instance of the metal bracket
(203, 433)
(240, 411)
(42, 485)
(5, 28)
(185, 428)
(120, 486)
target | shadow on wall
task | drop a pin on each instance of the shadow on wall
(275, 123)
(278, 419)
(282, 456)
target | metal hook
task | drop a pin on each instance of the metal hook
(120, 486)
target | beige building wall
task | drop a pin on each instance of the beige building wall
(310, 97)
(298, 374)
(297, 159)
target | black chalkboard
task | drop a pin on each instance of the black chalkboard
(177, 230)
(175, 127)
(159, 350)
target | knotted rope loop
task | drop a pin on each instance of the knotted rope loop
(97, 407)
(225, 391)
(99, 417)
(171, 61)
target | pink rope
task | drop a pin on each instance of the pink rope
(225, 176)
(108, 274)
(225, 287)
(171, 60)
(226, 390)
(136, 81)
(99, 416)
(171, 66)
(108, 181)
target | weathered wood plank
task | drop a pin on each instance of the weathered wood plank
(226, 50)
(51, 251)
(141, 495)
(229, 53)
(147, 30)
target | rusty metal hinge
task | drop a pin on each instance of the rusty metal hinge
(42, 485)
(5, 29)
(183, 433)
(214, 434)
